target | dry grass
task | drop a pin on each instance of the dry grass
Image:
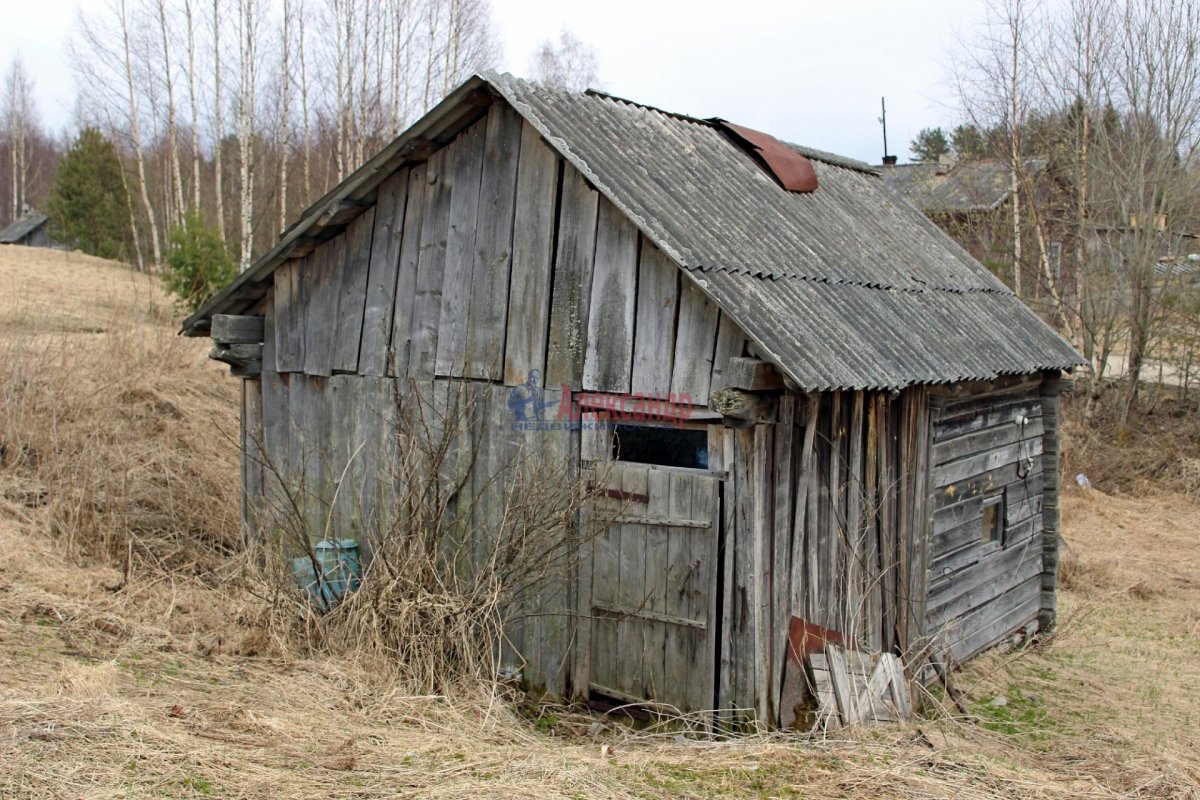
(162, 683)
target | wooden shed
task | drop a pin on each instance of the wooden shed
(31, 229)
(864, 419)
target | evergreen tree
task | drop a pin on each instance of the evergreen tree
(930, 144)
(88, 206)
(198, 263)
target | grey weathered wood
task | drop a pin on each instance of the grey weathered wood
(237, 329)
(407, 302)
(608, 353)
(947, 450)
(762, 532)
(979, 463)
(631, 590)
(253, 458)
(662, 644)
(991, 577)
(706, 506)
(740, 405)
(654, 331)
(352, 292)
(695, 344)
(245, 360)
(435, 227)
(387, 238)
(744, 578)
(726, 697)
(1048, 610)
(752, 374)
(289, 318)
(275, 417)
(489, 287)
(731, 343)
(784, 460)
(319, 290)
(991, 622)
(571, 295)
(857, 575)
(467, 167)
(532, 259)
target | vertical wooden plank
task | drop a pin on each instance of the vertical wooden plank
(404, 309)
(872, 575)
(532, 259)
(352, 292)
(781, 546)
(274, 404)
(289, 318)
(702, 594)
(631, 587)
(813, 552)
(861, 625)
(319, 290)
(887, 525)
(748, 563)
(731, 343)
(571, 294)
(460, 252)
(726, 646)
(663, 645)
(386, 242)
(608, 354)
(695, 345)
(654, 332)
(488, 315)
(435, 227)
(832, 531)
(762, 532)
(252, 459)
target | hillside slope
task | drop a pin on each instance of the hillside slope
(133, 664)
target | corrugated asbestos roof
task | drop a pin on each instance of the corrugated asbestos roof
(848, 286)
(18, 229)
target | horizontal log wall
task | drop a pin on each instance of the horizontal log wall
(980, 591)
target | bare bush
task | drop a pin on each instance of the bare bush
(447, 570)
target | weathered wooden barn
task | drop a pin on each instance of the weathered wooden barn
(31, 229)
(864, 419)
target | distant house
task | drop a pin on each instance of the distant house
(860, 425)
(30, 229)
(967, 199)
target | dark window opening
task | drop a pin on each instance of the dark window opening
(667, 447)
(993, 519)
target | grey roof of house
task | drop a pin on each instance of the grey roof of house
(976, 185)
(845, 287)
(26, 224)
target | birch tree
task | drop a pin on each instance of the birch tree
(19, 122)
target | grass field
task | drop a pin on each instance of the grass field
(132, 664)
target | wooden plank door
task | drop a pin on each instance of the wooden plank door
(654, 585)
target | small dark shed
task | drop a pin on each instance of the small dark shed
(30, 229)
(869, 433)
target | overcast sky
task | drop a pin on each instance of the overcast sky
(808, 72)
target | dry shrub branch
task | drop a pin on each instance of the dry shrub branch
(456, 549)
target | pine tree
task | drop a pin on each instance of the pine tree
(88, 206)
(198, 263)
(930, 144)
